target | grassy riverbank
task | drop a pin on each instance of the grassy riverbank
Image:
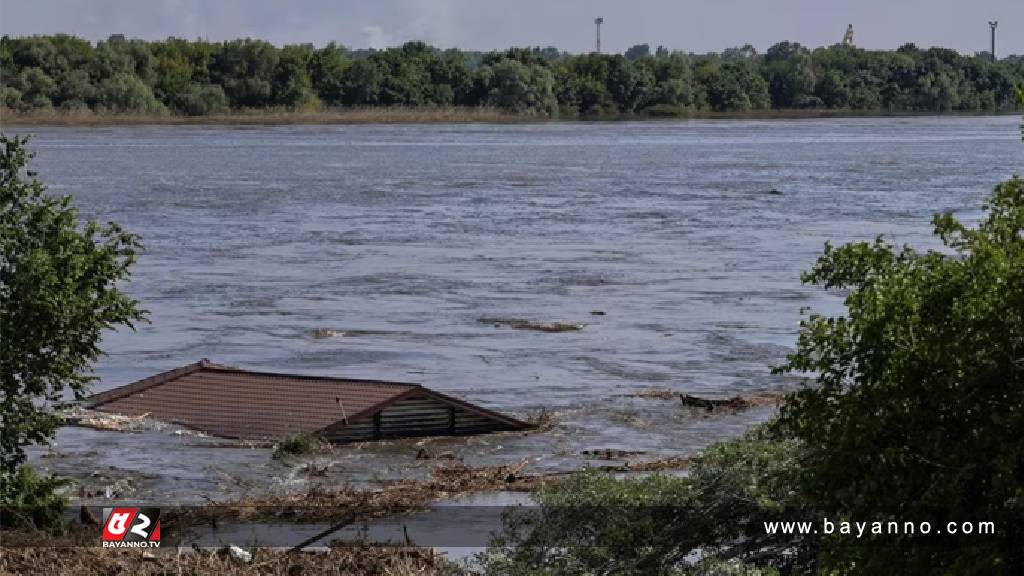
(405, 115)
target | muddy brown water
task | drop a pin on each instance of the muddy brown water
(373, 251)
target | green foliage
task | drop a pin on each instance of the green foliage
(188, 77)
(789, 71)
(327, 68)
(735, 86)
(518, 87)
(125, 92)
(59, 281)
(30, 501)
(300, 445)
(291, 85)
(918, 405)
(201, 99)
(593, 523)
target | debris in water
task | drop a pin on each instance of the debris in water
(116, 422)
(709, 404)
(612, 454)
(423, 454)
(541, 420)
(521, 324)
(737, 402)
(652, 394)
(313, 470)
(320, 333)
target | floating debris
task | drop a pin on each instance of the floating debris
(521, 324)
(653, 394)
(423, 454)
(321, 333)
(612, 454)
(394, 498)
(737, 402)
(667, 463)
(709, 404)
(541, 420)
(312, 469)
(112, 422)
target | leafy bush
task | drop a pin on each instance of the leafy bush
(199, 100)
(31, 501)
(301, 444)
(127, 93)
(593, 523)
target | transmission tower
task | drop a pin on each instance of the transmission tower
(993, 25)
(598, 22)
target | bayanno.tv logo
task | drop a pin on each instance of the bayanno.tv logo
(131, 527)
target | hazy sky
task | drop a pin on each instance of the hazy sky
(690, 25)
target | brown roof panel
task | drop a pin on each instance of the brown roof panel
(235, 403)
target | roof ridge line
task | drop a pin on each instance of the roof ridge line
(146, 383)
(119, 392)
(224, 368)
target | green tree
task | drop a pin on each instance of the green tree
(735, 86)
(36, 88)
(127, 93)
(918, 404)
(74, 90)
(245, 70)
(362, 83)
(833, 90)
(790, 75)
(630, 86)
(291, 85)
(59, 290)
(326, 69)
(201, 99)
(518, 87)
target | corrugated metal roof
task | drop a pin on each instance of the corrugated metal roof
(235, 403)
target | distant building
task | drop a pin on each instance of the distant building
(234, 403)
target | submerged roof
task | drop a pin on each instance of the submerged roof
(235, 403)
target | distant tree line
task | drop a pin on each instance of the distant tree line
(200, 77)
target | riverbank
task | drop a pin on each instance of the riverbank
(421, 115)
(392, 115)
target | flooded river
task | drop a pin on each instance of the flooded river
(678, 245)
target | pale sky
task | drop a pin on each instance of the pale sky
(689, 25)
